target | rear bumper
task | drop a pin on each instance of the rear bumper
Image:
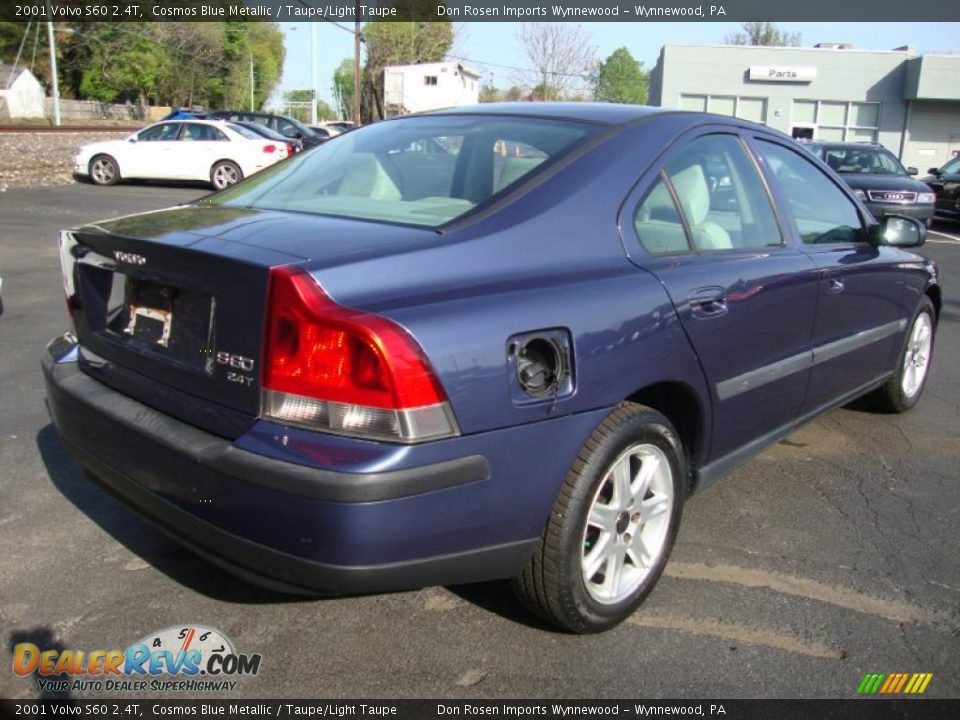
(474, 516)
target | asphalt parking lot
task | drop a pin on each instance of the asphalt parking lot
(831, 555)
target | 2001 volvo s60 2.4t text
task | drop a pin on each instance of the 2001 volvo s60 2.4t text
(498, 342)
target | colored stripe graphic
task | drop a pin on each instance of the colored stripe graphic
(870, 683)
(894, 683)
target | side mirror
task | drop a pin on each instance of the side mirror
(912, 171)
(934, 171)
(899, 231)
(132, 138)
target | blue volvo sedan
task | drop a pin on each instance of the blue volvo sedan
(506, 341)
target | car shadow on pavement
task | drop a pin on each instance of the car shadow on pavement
(45, 639)
(497, 598)
(143, 539)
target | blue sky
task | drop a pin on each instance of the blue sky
(489, 42)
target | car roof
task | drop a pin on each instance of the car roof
(200, 121)
(607, 113)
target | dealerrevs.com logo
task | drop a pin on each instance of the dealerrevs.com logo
(190, 659)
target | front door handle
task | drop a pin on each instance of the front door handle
(707, 302)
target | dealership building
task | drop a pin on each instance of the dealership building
(909, 103)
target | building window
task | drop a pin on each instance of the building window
(746, 108)
(836, 121)
(697, 103)
(429, 79)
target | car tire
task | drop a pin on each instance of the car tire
(224, 174)
(589, 572)
(904, 388)
(103, 170)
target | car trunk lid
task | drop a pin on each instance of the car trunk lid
(170, 307)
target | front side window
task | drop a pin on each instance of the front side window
(822, 212)
(167, 131)
(422, 171)
(951, 167)
(722, 197)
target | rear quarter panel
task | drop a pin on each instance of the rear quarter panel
(551, 257)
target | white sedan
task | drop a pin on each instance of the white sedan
(217, 152)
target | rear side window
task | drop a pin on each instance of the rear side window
(821, 211)
(167, 131)
(244, 132)
(421, 171)
(722, 199)
(203, 133)
(658, 223)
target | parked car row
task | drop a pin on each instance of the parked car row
(878, 178)
(886, 187)
(221, 147)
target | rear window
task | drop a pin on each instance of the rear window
(420, 171)
(244, 131)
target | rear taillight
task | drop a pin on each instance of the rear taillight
(67, 262)
(331, 368)
(269, 149)
(291, 149)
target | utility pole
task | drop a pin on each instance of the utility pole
(53, 68)
(252, 108)
(356, 63)
(313, 73)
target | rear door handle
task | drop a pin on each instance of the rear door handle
(707, 302)
(835, 285)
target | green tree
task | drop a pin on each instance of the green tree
(324, 111)
(490, 94)
(265, 42)
(621, 79)
(399, 43)
(36, 51)
(762, 33)
(515, 93)
(343, 88)
(124, 64)
(174, 63)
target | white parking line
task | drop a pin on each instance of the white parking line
(938, 236)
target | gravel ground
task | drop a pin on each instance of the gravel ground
(43, 159)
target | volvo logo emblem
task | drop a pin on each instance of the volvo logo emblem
(129, 258)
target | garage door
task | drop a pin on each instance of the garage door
(934, 134)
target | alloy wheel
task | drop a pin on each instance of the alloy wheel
(103, 171)
(225, 175)
(627, 523)
(916, 360)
